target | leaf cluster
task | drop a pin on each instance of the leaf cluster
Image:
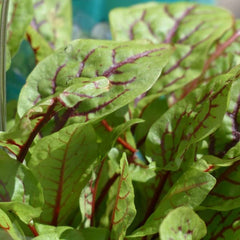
(133, 138)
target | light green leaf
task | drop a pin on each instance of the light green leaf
(39, 44)
(125, 65)
(191, 27)
(189, 121)
(124, 210)
(19, 16)
(182, 224)
(7, 231)
(20, 137)
(53, 21)
(63, 163)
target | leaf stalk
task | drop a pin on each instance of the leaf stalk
(3, 42)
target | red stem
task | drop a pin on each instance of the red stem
(105, 190)
(33, 229)
(120, 140)
(94, 193)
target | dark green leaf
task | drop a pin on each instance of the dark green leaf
(20, 192)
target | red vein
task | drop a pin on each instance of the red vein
(58, 198)
(24, 149)
(129, 60)
(173, 30)
(122, 178)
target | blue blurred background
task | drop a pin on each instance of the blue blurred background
(90, 21)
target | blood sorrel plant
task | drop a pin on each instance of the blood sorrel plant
(134, 138)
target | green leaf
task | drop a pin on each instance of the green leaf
(149, 112)
(182, 223)
(39, 44)
(188, 121)
(47, 232)
(125, 65)
(225, 195)
(7, 231)
(189, 190)
(20, 192)
(53, 21)
(224, 143)
(85, 234)
(191, 27)
(124, 210)
(221, 225)
(20, 137)
(90, 193)
(19, 16)
(63, 163)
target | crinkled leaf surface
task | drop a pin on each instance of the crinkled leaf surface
(193, 28)
(189, 190)
(182, 224)
(124, 210)
(19, 16)
(63, 163)
(188, 121)
(7, 231)
(126, 65)
(53, 21)
(20, 192)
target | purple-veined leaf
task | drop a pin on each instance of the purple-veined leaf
(7, 230)
(188, 121)
(221, 225)
(125, 64)
(20, 192)
(221, 58)
(224, 54)
(225, 195)
(224, 143)
(124, 210)
(192, 28)
(19, 16)
(89, 199)
(19, 139)
(182, 223)
(52, 21)
(189, 190)
(63, 163)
